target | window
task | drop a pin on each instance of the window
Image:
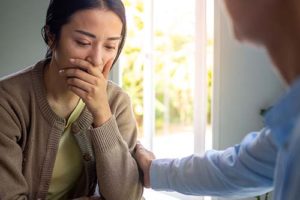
(164, 69)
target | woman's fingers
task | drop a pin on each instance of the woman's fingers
(93, 70)
(78, 73)
(82, 64)
(85, 66)
(79, 92)
(106, 68)
(79, 83)
(90, 84)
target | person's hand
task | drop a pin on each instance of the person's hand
(89, 83)
(144, 159)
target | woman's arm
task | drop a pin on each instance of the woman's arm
(114, 133)
(113, 143)
(13, 184)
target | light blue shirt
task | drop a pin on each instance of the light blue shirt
(263, 161)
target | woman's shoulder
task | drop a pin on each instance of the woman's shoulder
(16, 76)
(16, 82)
(20, 83)
(22, 77)
(114, 90)
(117, 95)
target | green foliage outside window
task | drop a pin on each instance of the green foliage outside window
(172, 70)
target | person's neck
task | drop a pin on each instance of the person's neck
(284, 50)
(56, 86)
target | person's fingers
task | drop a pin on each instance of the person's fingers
(139, 151)
(82, 64)
(77, 73)
(86, 66)
(79, 92)
(93, 70)
(144, 158)
(139, 146)
(106, 68)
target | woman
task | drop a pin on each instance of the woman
(64, 127)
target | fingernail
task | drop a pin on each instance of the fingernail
(61, 71)
(72, 60)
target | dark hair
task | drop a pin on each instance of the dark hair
(60, 11)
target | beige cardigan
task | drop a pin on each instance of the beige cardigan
(30, 133)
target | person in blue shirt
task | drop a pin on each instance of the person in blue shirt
(265, 160)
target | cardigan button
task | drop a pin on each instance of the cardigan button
(75, 128)
(87, 157)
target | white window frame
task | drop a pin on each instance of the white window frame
(216, 77)
(200, 101)
(200, 77)
(149, 77)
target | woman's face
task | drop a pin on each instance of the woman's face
(93, 35)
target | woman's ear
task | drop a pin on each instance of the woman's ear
(50, 38)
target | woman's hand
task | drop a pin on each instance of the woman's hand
(89, 83)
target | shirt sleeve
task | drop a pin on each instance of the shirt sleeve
(243, 170)
(289, 186)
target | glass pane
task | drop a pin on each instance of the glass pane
(174, 30)
(132, 58)
(173, 62)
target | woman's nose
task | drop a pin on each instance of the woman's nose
(95, 57)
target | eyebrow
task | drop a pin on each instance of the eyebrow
(94, 36)
(86, 33)
(114, 38)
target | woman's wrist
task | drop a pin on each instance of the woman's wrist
(101, 118)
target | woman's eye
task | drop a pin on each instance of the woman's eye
(110, 47)
(80, 43)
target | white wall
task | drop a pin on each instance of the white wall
(244, 83)
(21, 43)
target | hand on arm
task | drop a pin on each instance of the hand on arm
(144, 159)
